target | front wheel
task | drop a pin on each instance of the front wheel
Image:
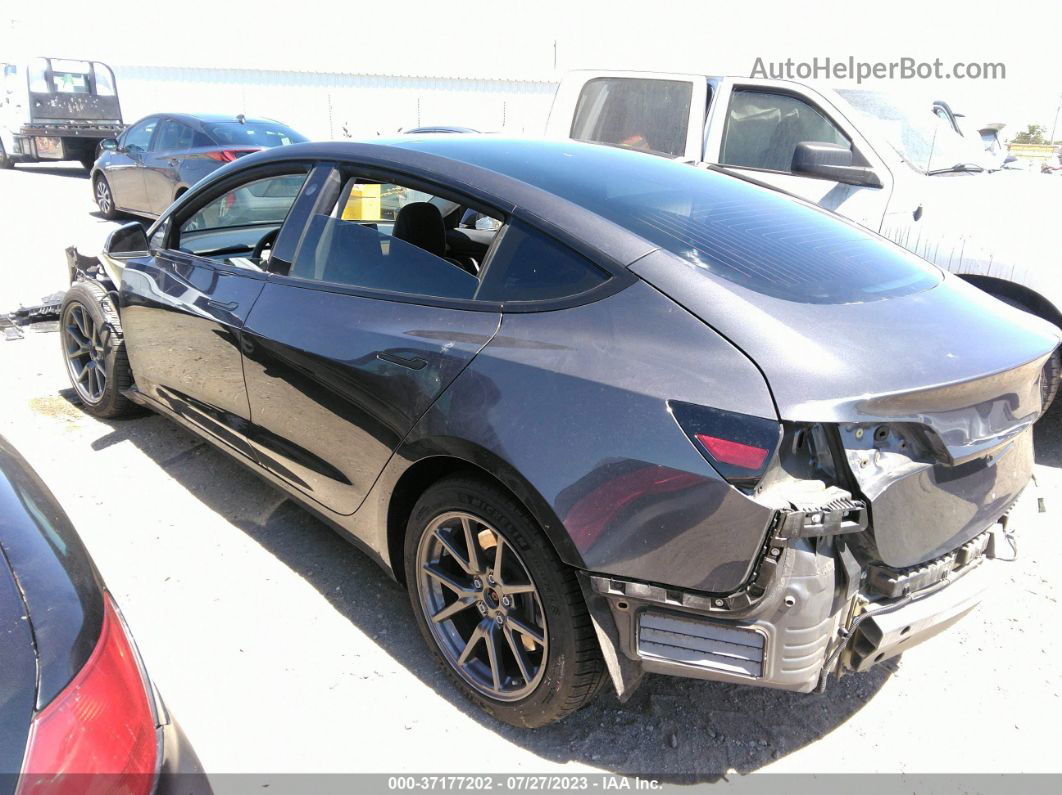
(504, 616)
(5, 161)
(94, 351)
(104, 198)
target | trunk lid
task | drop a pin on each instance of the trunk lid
(933, 393)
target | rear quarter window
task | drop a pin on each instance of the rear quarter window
(529, 266)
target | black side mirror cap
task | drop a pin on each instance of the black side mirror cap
(831, 161)
(127, 239)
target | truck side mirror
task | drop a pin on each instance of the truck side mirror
(831, 161)
(127, 239)
(108, 145)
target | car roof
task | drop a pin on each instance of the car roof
(212, 118)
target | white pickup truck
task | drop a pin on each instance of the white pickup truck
(892, 166)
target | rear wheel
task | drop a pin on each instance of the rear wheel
(503, 615)
(94, 351)
(101, 189)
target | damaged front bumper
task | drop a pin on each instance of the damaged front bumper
(814, 611)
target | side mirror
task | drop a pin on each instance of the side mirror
(831, 161)
(1009, 159)
(108, 145)
(127, 239)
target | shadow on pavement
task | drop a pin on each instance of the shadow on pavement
(686, 730)
(74, 172)
(1047, 435)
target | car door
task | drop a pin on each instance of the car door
(352, 341)
(161, 164)
(125, 167)
(184, 305)
(754, 128)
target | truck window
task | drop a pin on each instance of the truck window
(636, 113)
(104, 80)
(763, 129)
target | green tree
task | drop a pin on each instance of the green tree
(1033, 135)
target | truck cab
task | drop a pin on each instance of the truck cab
(56, 109)
(886, 163)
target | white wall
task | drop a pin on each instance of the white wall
(320, 104)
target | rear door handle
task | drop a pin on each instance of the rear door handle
(413, 363)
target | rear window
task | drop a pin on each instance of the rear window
(751, 236)
(253, 134)
(650, 115)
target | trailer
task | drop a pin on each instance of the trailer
(55, 109)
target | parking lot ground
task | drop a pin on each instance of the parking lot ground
(280, 648)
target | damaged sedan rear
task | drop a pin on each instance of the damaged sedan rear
(654, 418)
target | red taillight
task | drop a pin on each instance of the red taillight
(228, 155)
(101, 724)
(736, 454)
(739, 446)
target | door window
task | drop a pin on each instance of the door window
(234, 225)
(763, 130)
(652, 115)
(387, 236)
(138, 138)
(174, 136)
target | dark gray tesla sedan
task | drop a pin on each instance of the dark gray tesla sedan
(157, 159)
(653, 419)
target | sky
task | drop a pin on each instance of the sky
(543, 39)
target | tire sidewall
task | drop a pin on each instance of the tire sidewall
(501, 512)
(112, 213)
(112, 401)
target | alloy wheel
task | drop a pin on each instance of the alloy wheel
(103, 196)
(85, 345)
(482, 607)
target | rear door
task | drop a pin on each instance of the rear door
(125, 166)
(352, 341)
(184, 305)
(661, 113)
(162, 163)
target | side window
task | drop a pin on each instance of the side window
(529, 266)
(234, 224)
(174, 136)
(385, 236)
(763, 130)
(138, 138)
(652, 115)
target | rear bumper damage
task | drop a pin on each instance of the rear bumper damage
(816, 611)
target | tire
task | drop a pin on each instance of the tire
(87, 162)
(1052, 377)
(562, 670)
(90, 337)
(1052, 372)
(5, 161)
(101, 192)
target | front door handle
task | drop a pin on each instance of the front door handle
(228, 306)
(174, 162)
(413, 363)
